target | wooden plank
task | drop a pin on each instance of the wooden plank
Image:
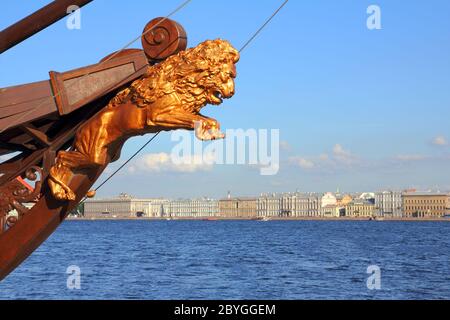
(72, 89)
(40, 111)
(81, 87)
(76, 88)
(24, 103)
(21, 94)
(45, 106)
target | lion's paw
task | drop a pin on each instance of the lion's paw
(64, 196)
(209, 130)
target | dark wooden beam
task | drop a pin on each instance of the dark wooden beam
(15, 147)
(10, 166)
(35, 133)
(36, 22)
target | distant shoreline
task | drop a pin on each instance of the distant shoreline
(210, 219)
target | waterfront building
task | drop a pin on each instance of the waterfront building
(330, 211)
(368, 196)
(360, 208)
(300, 205)
(294, 204)
(286, 204)
(328, 199)
(206, 207)
(426, 204)
(314, 205)
(125, 206)
(238, 207)
(343, 200)
(178, 208)
(268, 205)
(193, 208)
(388, 203)
(393, 204)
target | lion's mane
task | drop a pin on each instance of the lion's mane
(187, 73)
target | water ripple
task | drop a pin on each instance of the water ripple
(237, 260)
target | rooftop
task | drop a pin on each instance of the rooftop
(426, 194)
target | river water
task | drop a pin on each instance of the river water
(237, 260)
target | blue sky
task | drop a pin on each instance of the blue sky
(357, 109)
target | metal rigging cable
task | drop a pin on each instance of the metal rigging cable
(263, 26)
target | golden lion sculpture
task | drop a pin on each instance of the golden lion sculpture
(169, 96)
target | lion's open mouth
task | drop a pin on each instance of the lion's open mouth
(216, 97)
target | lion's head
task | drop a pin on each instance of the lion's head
(207, 71)
(199, 76)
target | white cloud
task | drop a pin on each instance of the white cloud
(338, 150)
(163, 162)
(339, 158)
(343, 156)
(285, 146)
(410, 157)
(302, 162)
(440, 141)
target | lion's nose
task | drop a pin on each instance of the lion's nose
(230, 88)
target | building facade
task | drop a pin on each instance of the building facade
(330, 211)
(343, 200)
(300, 205)
(238, 208)
(360, 208)
(393, 204)
(193, 208)
(328, 199)
(268, 205)
(288, 205)
(426, 204)
(389, 203)
(125, 206)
